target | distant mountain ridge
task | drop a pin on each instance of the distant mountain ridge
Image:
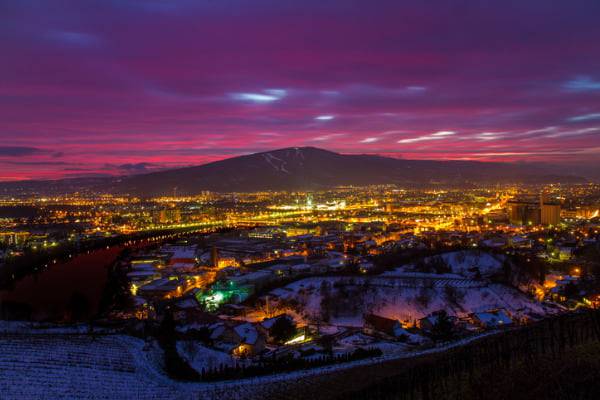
(310, 168)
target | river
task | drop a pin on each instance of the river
(48, 294)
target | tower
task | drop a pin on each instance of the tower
(214, 257)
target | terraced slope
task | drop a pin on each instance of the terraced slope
(78, 367)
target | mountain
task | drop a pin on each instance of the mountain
(302, 168)
(309, 168)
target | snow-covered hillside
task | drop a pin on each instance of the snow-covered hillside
(406, 297)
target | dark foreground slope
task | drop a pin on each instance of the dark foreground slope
(572, 375)
(555, 359)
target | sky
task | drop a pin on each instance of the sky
(113, 87)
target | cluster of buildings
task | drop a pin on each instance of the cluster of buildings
(526, 212)
(427, 326)
(228, 270)
(217, 283)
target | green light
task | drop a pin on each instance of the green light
(218, 297)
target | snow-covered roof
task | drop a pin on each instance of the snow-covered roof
(281, 292)
(181, 251)
(494, 242)
(162, 284)
(247, 332)
(141, 274)
(216, 330)
(301, 267)
(252, 276)
(493, 318)
(187, 303)
(182, 265)
(268, 322)
(143, 267)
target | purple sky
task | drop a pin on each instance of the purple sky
(115, 86)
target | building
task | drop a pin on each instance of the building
(492, 319)
(13, 238)
(214, 257)
(221, 293)
(520, 242)
(549, 211)
(257, 279)
(388, 326)
(523, 213)
(266, 233)
(266, 326)
(252, 342)
(166, 216)
(224, 337)
(429, 322)
(163, 288)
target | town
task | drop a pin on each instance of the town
(260, 283)
(279, 200)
